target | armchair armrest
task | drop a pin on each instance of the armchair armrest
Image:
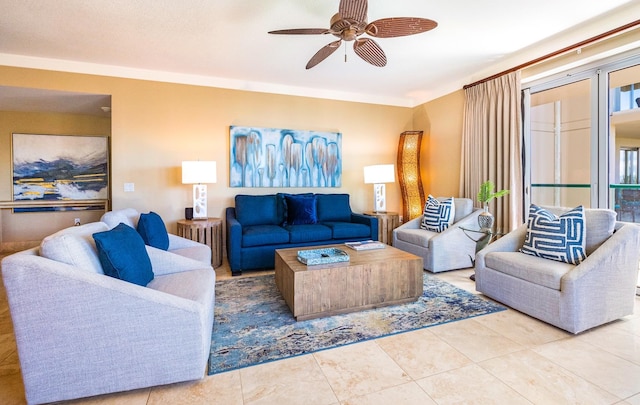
(412, 224)
(163, 262)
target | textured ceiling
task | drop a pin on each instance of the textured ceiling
(224, 43)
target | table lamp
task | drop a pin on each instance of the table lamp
(378, 175)
(199, 173)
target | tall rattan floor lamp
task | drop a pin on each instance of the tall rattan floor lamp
(408, 165)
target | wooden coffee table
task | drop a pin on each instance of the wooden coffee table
(371, 279)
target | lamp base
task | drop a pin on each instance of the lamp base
(379, 198)
(199, 201)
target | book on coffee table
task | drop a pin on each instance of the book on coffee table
(365, 245)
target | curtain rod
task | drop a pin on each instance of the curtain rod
(556, 53)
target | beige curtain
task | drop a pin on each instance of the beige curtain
(492, 146)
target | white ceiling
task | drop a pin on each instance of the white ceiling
(224, 43)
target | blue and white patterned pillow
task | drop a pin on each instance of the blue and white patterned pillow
(557, 238)
(438, 215)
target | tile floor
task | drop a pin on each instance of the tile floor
(502, 358)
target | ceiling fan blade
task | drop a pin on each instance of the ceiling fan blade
(354, 10)
(399, 27)
(370, 51)
(323, 53)
(302, 31)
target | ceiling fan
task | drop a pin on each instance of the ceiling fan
(351, 22)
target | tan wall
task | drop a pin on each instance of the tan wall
(441, 121)
(155, 126)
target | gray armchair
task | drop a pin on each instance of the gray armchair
(447, 250)
(572, 297)
(81, 333)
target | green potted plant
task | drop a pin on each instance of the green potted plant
(485, 195)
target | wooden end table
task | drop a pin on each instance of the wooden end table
(207, 231)
(387, 222)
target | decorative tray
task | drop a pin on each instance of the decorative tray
(314, 257)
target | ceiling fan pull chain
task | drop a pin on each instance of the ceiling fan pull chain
(345, 52)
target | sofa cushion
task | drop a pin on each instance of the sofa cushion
(438, 215)
(529, 268)
(333, 207)
(308, 233)
(261, 235)
(123, 255)
(153, 231)
(348, 230)
(560, 238)
(257, 210)
(75, 246)
(300, 210)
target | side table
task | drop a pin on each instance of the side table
(207, 231)
(387, 222)
(487, 237)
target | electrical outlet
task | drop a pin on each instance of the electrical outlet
(76, 221)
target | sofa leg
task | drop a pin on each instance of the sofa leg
(236, 273)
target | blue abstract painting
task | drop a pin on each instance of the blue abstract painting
(59, 167)
(270, 157)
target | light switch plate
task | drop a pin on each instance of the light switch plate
(129, 187)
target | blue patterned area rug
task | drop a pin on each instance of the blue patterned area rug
(253, 324)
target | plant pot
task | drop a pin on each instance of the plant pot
(486, 219)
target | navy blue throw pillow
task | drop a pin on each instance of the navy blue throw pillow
(301, 209)
(153, 231)
(123, 255)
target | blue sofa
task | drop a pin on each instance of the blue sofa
(260, 224)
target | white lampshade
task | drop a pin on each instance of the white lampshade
(379, 174)
(198, 172)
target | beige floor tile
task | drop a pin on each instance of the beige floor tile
(220, 389)
(359, 369)
(608, 371)
(421, 353)
(459, 278)
(137, 397)
(615, 340)
(405, 394)
(297, 380)
(475, 340)
(634, 400)
(521, 328)
(543, 382)
(469, 385)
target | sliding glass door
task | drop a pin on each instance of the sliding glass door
(560, 148)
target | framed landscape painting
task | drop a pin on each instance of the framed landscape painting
(59, 167)
(270, 157)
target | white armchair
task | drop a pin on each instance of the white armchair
(447, 250)
(572, 297)
(82, 333)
